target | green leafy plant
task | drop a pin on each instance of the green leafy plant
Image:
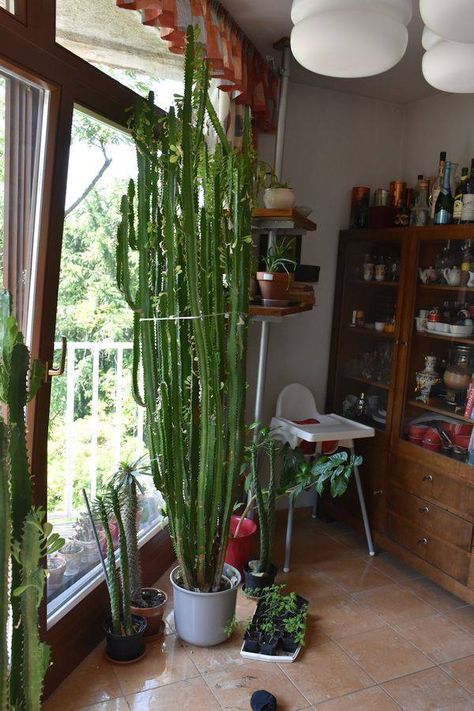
(188, 218)
(231, 626)
(265, 177)
(277, 259)
(23, 658)
(333, 471)
(83, 527)
(281, 614)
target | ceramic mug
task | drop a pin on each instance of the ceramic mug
(379, 326)
(452, 276)
(380, 271)
(368, 271)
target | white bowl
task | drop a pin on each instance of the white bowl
(442, 327)
(463, 331)
(431, 325)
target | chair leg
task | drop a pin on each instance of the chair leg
(289, 534)
(368, 534)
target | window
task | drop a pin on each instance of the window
(8, 5)
(94, 422)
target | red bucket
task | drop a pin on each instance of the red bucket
(239, 550)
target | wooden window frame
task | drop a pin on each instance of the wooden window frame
(28, 48)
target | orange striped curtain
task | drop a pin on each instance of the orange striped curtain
(235, 62)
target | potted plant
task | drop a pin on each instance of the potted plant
(277, 279)
(123, 630)
(72, 552)
(150, 603)
(276, 195)
(24, 658)
(84, 535)
(189, 219)
(56, 569)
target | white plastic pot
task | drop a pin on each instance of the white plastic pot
(202, 618)
(278, 198)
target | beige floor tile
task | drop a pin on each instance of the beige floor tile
(438, 637)
(431, 593)
(311, 584)
(326, 672)
(234, 685)
(430, 690)
(210, 659)
(384, 654)
(189, 695)
(245, 607)
(355, 574)
(463, 671)
(395, 604)
(93, 681)
(343, 616)
(395, 569)
(113, 705)
(464, 617)
(166, 662)
(374, 699)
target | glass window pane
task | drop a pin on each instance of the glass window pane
(94, 422)
(116, 41)
(8, 5)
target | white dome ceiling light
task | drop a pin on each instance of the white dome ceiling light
(348, 43)
(399, 10)
(442, 63)
(429, 38)
(452, 23)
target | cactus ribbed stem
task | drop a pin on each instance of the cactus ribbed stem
(5, 546)
(188, 216)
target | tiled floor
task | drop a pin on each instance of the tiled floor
(380, 637)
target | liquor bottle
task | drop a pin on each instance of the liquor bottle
(467, 212)
(443, 214)
(420, 212)
(458, 198)
(437, 183)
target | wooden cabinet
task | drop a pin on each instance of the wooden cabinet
(418, 482)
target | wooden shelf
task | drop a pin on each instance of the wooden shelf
(373, 282)
(371, 383)
(449, 338)
(437, 407)
(369, 332)
(444, 287)
(284, 216)
(278, 311)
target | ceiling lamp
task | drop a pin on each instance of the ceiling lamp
(348, 42)
(399, 10)
(429, 38)
(449, 66)
(454, 23)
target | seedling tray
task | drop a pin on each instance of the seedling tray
(280, 657)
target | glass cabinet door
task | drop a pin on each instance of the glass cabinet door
(438, 413)
(367, 330)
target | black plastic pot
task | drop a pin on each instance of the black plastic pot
(252, 641)
(289, 645)
(259, 581)
(268, 646)
(125, 649)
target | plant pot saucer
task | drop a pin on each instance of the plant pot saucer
(275, 302)
(280, 657)
(129, 661)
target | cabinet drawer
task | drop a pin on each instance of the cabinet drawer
(422, 543)
(431, 483)
(437, 521)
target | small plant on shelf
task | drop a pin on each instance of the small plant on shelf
(276, 281)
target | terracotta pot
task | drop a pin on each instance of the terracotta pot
(275, 286)
(153, 615)
(239, 549)
(55, 575)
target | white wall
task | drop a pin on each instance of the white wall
(333, 142)
(442, 122)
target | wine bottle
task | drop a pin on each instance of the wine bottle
(445, 203)
(437, 183)
(467, 212)
(458, 198)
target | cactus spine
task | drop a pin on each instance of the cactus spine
(21, 679)
(189, 219)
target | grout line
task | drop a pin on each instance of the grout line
(281, 668)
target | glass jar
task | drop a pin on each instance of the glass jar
(457, 375)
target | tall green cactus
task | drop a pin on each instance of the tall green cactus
(22, 677)
(188, 218)
(265, 500)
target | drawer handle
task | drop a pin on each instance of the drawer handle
(423, 542)
(424, 509)
(428, 477)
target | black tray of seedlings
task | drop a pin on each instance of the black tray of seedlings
(277, 629)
